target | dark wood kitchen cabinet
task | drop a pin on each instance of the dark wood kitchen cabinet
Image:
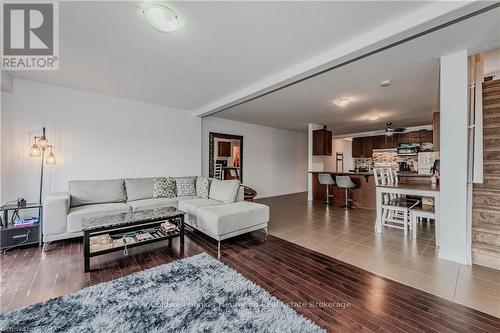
(224, 149)
(357, 147)
(414, 137)
(391, 141)
(378, 142)
(403, 138)
(322, 142)
(363, 147)
(425, 136)
(367, 146)
(385, 142)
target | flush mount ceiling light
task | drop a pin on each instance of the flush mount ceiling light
(374, 117)
(162, 18)
(386, 83)
(342, 102)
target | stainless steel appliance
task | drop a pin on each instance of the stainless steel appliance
(408, 150)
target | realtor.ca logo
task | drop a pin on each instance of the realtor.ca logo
(30, 36)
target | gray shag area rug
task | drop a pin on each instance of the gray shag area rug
(195, 294)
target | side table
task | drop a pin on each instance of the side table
(11, 236)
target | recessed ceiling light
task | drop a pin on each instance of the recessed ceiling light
(386, 83)
(341, 102)
(162, 18)
(374, 117)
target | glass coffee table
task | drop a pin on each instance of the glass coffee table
(104, 234)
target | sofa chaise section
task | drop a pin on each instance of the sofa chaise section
(221, 217)
(190, 207)
(225, 221)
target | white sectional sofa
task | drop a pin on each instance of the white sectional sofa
(222, 215)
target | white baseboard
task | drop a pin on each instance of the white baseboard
(452, 257)
(278, 193)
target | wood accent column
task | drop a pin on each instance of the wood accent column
(435, 130)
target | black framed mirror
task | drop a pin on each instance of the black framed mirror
(225, 156)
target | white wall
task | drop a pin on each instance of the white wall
(274, 160)
(1, 108)
(94, 137)
(454, 157)
(328, 163)
(343, 146)
(492, 63)
(6, 81)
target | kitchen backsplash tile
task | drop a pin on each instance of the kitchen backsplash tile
(389, 159)
(386, 159)
(363, 163)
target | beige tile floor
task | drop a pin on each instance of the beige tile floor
(349, 235)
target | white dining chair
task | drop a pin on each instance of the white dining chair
(395, 209)
(419, 213)
(218, 171)
(383, 177)
(392, 173)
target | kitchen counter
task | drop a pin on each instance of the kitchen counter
(364, 194)
(344, 173)
(401, 174)
(413, 174)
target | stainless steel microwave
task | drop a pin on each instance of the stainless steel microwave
(408, 150)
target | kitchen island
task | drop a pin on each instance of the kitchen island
(364, 194)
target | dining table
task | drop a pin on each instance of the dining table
(413, 189)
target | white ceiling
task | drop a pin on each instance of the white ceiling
(109, 48)
(410, 101)
(228, 50)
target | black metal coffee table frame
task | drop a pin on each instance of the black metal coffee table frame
(177, 219)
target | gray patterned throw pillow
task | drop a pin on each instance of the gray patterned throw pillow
(202, 187)
(163, 187)
(186, 186)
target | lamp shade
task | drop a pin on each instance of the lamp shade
(51, 159)
(43, 141)
(35, 151)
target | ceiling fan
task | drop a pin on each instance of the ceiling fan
(389, 130)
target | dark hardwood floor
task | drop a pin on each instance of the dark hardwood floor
(336, 295)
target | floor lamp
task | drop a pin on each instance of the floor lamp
(40, 145)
